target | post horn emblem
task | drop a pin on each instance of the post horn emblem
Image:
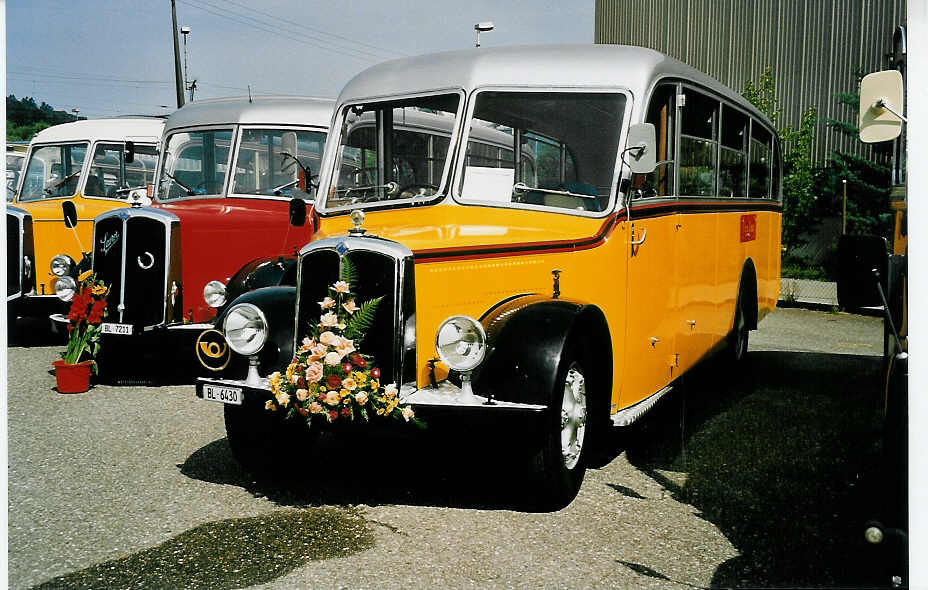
(212, 350)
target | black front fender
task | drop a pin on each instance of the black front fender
(272, 271)
(278, 304)
(526, 339)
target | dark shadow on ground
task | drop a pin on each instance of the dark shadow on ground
(235, 553)
(418, 468)
(775, 457)
(36, 331)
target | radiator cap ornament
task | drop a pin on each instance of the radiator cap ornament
(357, 218)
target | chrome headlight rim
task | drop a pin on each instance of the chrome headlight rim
(240, 341)
(214, 293)
(467, 361)
(65, 288)
(61, 265)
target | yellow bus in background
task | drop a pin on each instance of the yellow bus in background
(86, 162)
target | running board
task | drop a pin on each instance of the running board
(632, 413)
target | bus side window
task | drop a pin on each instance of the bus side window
(698, 145)
(733, 161)
(759, 175)
(661, 114)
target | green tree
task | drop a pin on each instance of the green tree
(799, 175)
(25, 118)
(868, 180)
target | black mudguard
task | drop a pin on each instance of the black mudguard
(271, 271)
(526, 339)
(279, 307)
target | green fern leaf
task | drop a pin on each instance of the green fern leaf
(358, 324)
(349, 273)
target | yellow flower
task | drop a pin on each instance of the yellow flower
(283, 398)
(85, 275)
(98, 290)
(360, 378)
(408, 413)
(269, 405)
(375, 385)
(349, 384)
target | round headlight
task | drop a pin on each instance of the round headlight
(65, 288)
(245, 329)
(461, 342)
(61, 265)
(214, 293)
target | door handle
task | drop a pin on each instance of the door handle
(644, 236)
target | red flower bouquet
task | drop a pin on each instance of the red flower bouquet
(88, 307)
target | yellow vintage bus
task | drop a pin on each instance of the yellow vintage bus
(561, 302)
(84, 162)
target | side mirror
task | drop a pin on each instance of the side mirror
(640, 155)
(70, 214)
(297, 212)
(880, 117)
(130, 152)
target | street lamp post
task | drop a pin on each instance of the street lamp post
(185, 30)
(483, 27)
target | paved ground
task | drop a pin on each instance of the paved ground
(739, 480)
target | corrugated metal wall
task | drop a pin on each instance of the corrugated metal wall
(813, 46)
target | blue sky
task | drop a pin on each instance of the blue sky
(115, 57)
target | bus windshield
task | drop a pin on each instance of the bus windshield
(53, 171)
(563, 148)
(274, 162)
(195, 164)
(393, 151)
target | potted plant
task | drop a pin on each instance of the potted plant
(88, 306)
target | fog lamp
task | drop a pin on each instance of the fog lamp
(461, 342)
(65, 287)
(61, 265)
(245, 329)
(214, 293)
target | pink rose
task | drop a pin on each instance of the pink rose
(361, 398)
(341, 287)
(333, 358)
(317, 352)
(328, 320)
(327, 303)
(314, 372)
(329, 338)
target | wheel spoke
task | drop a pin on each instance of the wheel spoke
(573, 416)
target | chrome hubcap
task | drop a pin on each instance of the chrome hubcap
(573, 416)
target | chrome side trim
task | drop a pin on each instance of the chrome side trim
(631, 414)
(449, 395)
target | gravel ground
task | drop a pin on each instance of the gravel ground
(136, 487)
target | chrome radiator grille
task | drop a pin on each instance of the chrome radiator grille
(384, 269)
(132, 254)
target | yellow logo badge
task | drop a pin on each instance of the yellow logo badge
(212, 350)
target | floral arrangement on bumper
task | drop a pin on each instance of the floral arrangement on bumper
(328, 377)
(88, 306)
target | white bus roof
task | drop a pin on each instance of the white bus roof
(538, 66)
(259, 110)
(140, 129)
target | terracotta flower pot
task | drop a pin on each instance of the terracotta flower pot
(72, 378)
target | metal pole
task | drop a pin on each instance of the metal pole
(844, 213)
(178, 76)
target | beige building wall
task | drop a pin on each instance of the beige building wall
(813, 46)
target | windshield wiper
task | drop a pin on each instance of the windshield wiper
(276, 190)
(521, 187)
(391, 187)
(48, 190)
(190, 191)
